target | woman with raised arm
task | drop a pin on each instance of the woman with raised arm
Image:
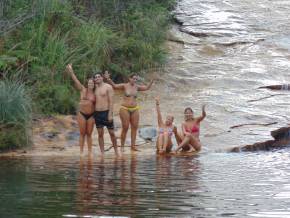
(165, 131)
(191, 129)
(129, 111)
(85, 116)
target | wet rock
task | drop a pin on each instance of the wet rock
(148, 133)
(281, 139)
(49, 135)
(277, 87)
(282, 133)
(177, 21)
(72, 136)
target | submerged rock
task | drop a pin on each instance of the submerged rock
(281, 139)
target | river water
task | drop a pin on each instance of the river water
(237, 47)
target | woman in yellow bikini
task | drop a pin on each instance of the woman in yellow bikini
(129, 111)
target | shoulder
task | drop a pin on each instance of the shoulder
(108, 86)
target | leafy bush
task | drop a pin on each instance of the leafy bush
(15, 114)
(120, 36)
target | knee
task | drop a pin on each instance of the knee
(125, 128)
(82, 133)
(134, 127)
(101, 135)
(89, 136)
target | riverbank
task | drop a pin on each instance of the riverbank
(39, 38)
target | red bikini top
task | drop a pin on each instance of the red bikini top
(194, 129)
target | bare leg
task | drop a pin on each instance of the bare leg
(134, 120)
(166, 141)
(82, 127)
(195, 144)
(101, 139)
(113, 140)
(184, 142)
(125, 120)
(159, 143)
(90, 128)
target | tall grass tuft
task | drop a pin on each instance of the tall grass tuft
(15, 114)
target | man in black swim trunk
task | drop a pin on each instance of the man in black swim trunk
(104, 111)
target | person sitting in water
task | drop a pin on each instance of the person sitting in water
(85, 116)
(165, 131)
(190, 131)
(129, 111)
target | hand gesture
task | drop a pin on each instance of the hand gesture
(69, 68)
(157, 100)
(203, 107)
(107, 75)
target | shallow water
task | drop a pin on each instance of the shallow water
(208, 185)
(243, 45)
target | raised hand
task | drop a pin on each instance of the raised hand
(157, 100)
(69, 68)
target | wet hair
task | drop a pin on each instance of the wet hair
(188, 109)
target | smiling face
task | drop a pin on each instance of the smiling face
(188, 113)
(91, 84)
(169, 120)
(98, 78)
(133, 79)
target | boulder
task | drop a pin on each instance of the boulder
(281, 139)
(148, 133)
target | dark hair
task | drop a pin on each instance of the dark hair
(132, 75)
(188, 108)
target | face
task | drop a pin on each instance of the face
(98, 78)
(133, 79)
(91, 84)
(188, 114)
(169, 120)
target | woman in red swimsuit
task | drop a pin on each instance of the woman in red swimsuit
(85, 116)
(190, 130)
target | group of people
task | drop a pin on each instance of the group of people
(96, 108)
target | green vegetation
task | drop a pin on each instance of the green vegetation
(40, 37)
(15, 114)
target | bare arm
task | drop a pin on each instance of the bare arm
(145, 87)
(120, 86)
(77, 83)
(159, 116)
(111, 105)
(199, 119)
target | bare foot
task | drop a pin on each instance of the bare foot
(191, 150)
(133, 148)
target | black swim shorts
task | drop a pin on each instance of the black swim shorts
(101, 120)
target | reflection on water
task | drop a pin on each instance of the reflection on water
(242, 45)
(210, 185)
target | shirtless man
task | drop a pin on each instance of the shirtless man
(104, 111)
